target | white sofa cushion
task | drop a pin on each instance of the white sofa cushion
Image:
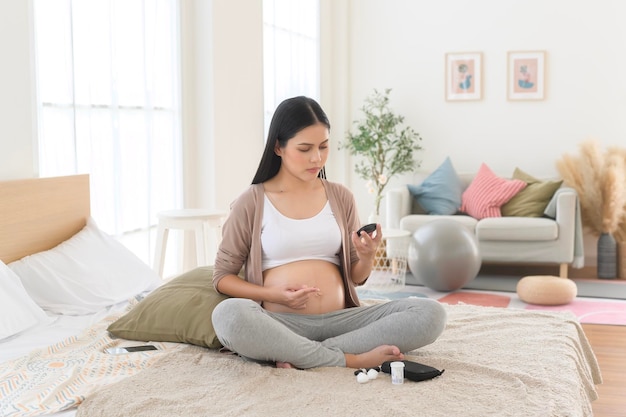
(414, 221)
(517, 228)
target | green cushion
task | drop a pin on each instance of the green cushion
(178, 311)
(532, 200)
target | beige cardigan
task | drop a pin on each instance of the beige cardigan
(241, 236)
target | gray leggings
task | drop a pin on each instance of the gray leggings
(308, 341)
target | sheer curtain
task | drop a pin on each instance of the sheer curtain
(291, 56)
(109, 105)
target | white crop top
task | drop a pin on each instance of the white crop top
(285, 240)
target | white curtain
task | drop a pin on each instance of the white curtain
(109, 105)
(291, 56)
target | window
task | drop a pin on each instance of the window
(108, 105)
(291, 51)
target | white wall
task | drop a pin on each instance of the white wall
(400, 44)
(17, 99)
(222, 99)
(222, 73)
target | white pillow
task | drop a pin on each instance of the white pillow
(18, 312)
(84, 274)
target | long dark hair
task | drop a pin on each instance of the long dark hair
(290, 117)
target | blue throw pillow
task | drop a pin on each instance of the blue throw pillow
(440, 193)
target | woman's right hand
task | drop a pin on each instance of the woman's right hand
(295, 297)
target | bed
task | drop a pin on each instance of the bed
(498, 362)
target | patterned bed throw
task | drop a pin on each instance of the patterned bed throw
(61, 376)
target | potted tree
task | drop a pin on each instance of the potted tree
(384, 147)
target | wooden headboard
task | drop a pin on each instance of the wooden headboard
(39, 213)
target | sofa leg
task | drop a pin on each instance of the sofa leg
(563, 270)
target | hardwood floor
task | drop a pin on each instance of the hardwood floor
(609, 345)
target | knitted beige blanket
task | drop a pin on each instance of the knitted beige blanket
(498, 362)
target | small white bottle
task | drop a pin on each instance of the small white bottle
(397, 372)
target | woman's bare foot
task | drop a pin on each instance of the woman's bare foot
(374, 357)
(285, 365)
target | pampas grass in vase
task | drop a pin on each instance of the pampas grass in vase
(620, 233)
(599, 178)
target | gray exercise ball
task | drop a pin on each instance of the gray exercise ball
(444, 255)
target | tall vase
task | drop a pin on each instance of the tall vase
(607, 256)
(621, 260)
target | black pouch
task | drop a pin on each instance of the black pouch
(414, 371)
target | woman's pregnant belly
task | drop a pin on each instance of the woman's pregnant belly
(312, 273)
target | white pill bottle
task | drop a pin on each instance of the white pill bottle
(397, 372)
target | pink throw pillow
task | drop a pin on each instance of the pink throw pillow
(487, 193)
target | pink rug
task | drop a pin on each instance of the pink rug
(593, 312)
(477, 299)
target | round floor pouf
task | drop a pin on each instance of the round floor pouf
(546, 290)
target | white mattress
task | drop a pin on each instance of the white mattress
(61, 327)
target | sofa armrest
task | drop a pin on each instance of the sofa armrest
(398, 205)
(564, 209)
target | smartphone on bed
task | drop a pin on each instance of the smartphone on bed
(129, 349)
(368, 228)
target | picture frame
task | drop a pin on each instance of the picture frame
(464, 76)
(526, 78)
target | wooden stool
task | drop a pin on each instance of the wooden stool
(197, 220)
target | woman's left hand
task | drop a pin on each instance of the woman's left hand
(367, 243)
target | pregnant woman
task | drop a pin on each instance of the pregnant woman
(294, 233)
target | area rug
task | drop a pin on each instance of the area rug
(477, 299)
(591, 312)
(587, 310)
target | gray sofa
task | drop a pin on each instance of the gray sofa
(516, 240)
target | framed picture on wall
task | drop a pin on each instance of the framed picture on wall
(464, 76)
(526, 75)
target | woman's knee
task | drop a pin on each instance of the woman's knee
(430, 314)
(438, 318)
(424, 306)
(230, 313)
(434, 308)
